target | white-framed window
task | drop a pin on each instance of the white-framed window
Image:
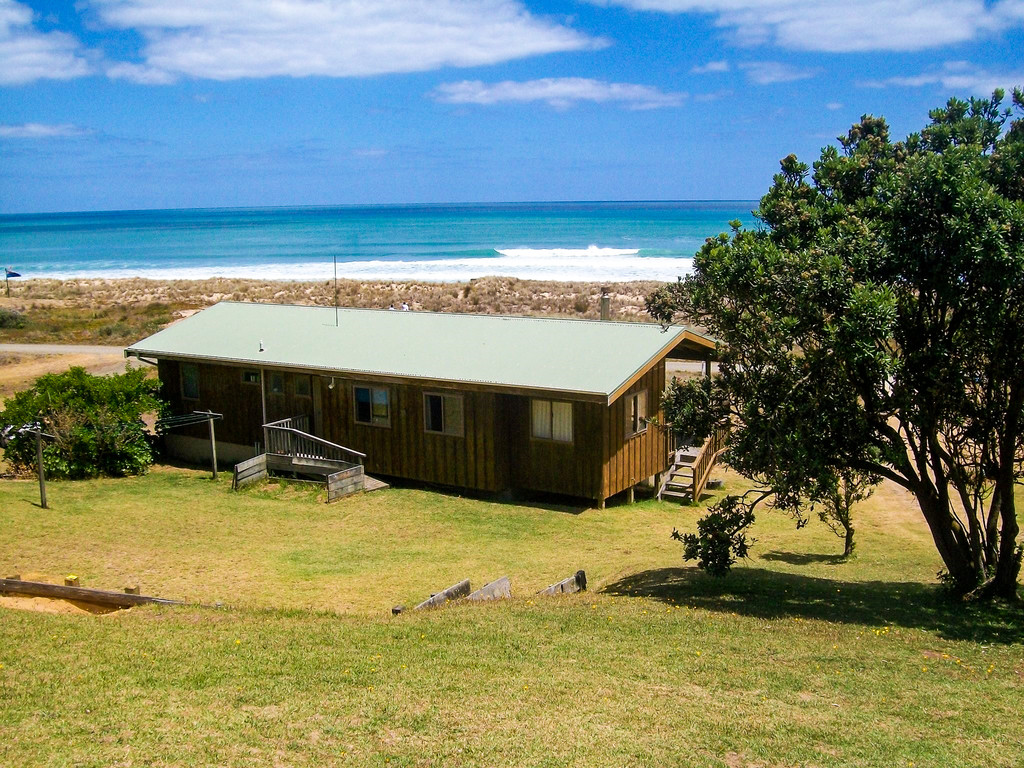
(250, 377)
(636, 413)
(442, 414)
(276, 386)
(372, 405)
(551, 420)
(190, 381)
(303, 385)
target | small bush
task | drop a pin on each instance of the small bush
(96, 422)
(12, 318)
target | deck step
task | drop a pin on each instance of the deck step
(373, 484)
(667, 494)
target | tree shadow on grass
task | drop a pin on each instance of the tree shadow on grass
(803, 558)
(765, 594)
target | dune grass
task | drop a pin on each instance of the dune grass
(796, 659)
(120, 311)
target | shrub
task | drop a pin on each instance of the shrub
(11, 318)
(96, 422)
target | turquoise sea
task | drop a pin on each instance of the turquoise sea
(549, 241)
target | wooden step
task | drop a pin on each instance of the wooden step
(373, 484)
(667, 494)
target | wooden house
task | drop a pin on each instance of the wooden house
(481, 402)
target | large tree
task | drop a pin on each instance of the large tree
(872, 326)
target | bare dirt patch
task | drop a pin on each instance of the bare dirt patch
(18, 371)
(50, 605)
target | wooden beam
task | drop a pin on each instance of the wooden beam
(81, 594)
(454, 592)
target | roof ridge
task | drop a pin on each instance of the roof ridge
(624, 323)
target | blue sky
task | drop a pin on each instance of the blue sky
(118, 104)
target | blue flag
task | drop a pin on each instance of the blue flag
(11, 273)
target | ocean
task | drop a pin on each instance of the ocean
(601, 242)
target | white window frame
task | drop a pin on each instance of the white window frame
(550, 431)
(374, 421)
(446, 429)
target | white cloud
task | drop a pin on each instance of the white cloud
(559, 92)
(230, 39)
(712, 67)
(834, 105)
(956, 76)
(139, 73)
(40, 131)
(770, 72)
(848, 25)
(27, 55)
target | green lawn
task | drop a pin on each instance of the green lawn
(796, 659)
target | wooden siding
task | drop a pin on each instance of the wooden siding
(628, 460)
(495, 452)
(221, 390)
(572, 468)
(476, 459)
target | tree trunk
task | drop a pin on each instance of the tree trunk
(955, 555)
(1008, 565)
(848, 542)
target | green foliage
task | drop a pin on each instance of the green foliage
(692, 408)
(871, 328)
(11, 318)
(721, 536)
(96, 423)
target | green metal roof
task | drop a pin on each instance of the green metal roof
(572, 356)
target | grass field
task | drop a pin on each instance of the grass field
(796, 659)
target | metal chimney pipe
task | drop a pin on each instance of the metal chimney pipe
(606, 304)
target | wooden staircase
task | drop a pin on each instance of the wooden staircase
(691, 466)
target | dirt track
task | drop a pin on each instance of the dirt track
(21, 364)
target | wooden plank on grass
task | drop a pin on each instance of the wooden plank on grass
(81, 594)
(575, 583)
(496, 590)
(454, 592)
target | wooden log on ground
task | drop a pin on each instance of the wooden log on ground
(454, 592)
(575, 583)
(81, 594)
(496, 590)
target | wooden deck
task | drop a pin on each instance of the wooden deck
(290, 450)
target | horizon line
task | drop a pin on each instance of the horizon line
(313, 206)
